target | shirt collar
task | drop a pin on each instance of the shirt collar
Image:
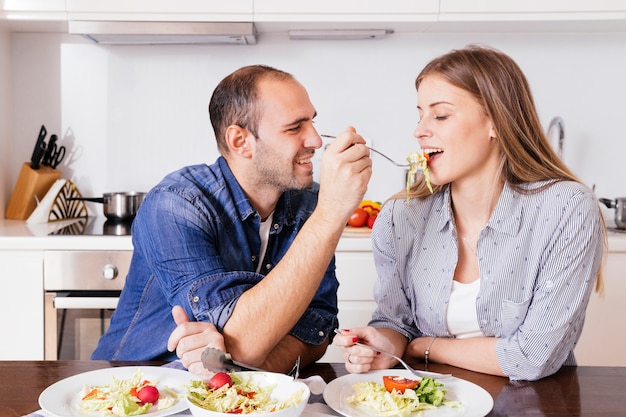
(506, 217)
(284, 212)
(241, 201)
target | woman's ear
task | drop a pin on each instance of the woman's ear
(492, 132)
(237, 139)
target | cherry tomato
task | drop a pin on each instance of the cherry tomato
(398, 383)
(148, 394)
(219, 380)
(371, 219)
(358, 218)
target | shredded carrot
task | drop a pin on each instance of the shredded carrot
(94, 392)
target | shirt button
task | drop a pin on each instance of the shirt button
(196, 299)
(320, 333)
(268, 266)
(253, 258)
(276, 226)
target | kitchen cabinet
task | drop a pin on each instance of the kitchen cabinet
(438, 16)
(345, 10)
(356, 274)
(603, 341)
(21, 311)
(532, 6)
(33, 16)
(532, 10)
(161, 10)
(33, 9)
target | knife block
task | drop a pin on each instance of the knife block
(31, 186)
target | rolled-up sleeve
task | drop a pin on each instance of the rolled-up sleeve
(546, 327)
(184, 254)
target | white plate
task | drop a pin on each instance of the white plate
(476, 401)
(62, 399)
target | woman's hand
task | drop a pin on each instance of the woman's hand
(359, 359)
(190, 339)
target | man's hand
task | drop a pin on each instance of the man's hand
(345, 172)
(189, 339)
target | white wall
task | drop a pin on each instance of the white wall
(5, 111)
(131, 114)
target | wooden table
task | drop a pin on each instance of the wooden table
(573, 391)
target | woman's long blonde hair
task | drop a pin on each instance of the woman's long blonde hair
(500, 86)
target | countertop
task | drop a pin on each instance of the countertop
(18, 235)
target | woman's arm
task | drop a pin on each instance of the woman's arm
(476, 354)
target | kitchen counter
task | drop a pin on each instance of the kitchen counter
(18, 235)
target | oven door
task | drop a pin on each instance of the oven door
(74, 322)
(82, 289)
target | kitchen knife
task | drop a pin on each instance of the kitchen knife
(47, 156)
(40, 148)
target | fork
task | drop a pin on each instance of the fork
(403, 363)
(295, 371)
(216, 360)
(376, 151)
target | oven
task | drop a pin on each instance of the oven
(82, 289)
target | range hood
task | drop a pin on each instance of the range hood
(164, 33)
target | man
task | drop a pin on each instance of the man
(245, 246)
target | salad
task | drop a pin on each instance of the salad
(238, 394)
(399, 396)
(126, 397)
(417, 160)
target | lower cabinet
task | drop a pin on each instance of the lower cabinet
(603, 341)
(21, 310)
(356, 274)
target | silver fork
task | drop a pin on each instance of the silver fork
(375, 151)
(403, 363)
(295, 371)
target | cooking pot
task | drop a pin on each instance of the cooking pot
(619, 204)
(117, 206)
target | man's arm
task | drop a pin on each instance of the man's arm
(265, 313)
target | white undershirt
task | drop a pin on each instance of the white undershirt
(264, 233)
(461, 316)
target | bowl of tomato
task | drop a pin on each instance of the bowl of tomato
(258, 393)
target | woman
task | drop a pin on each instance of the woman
(493, 271)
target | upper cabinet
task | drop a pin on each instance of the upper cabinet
(398, 15)
(532, 15)
(32, 10)
(345, 10)
(443, 16)
(161, 10)
(539, 8)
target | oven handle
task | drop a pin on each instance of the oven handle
(85, 302)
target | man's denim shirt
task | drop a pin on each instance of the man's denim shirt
(196, 244)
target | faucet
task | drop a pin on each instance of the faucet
(558, 124)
